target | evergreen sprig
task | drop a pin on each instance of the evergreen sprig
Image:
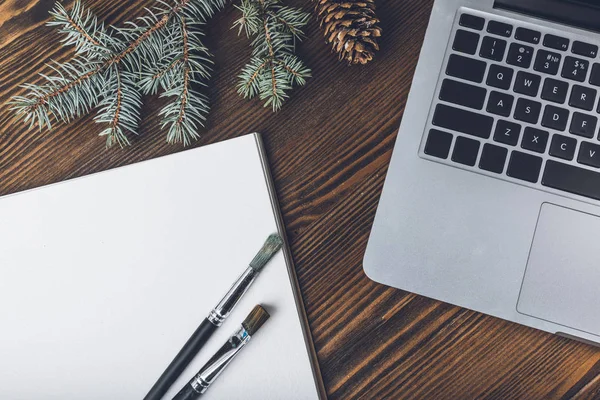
(274, 69)
(81, 29)
(110, 68)
(120, 106)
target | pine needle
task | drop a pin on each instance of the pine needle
(120, 108)
(113, 67)
(273, 69)
(188, 111)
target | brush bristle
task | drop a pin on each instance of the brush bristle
(269, 249)
(255, 320)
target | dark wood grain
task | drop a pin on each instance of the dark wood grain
(329, 149)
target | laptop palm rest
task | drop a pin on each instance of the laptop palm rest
(562, 279)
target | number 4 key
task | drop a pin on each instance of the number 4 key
(575, 69)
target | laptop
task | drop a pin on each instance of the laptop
(492, 199)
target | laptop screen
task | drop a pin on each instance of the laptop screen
(579, 13)
(593, 3)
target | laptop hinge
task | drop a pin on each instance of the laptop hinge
(574, 13)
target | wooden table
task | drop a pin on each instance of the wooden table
(329, 150)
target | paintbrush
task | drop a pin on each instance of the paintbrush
(215, 318)
(213, 368)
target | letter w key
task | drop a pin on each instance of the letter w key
(527, 84)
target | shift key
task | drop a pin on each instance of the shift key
(463, 121)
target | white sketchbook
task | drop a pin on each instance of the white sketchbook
(104, 278)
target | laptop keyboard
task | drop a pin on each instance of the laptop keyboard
(518, 102)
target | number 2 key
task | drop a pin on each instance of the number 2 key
(520, 55)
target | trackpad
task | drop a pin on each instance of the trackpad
(562, 280)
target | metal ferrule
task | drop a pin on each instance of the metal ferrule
(233, 296)
(220, 360)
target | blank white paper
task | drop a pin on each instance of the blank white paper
(104, 278)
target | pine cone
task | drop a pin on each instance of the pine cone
(351, 27)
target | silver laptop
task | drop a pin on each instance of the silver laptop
(492, 200)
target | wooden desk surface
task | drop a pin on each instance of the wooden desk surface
(329, 150)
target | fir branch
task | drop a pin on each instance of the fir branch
(250, 20)
(288, 16)
(251, 73)
(153, 33)
(273, 69)
(73, 91)
(81, 29)
(120, 108)
(140, 39)
(75, 87)
(155, 60)
(295, 67)
(189, 109)
(117, 59)
(158, 77)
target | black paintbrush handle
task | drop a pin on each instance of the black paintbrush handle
(181, 360)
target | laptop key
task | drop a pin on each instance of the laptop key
(575, 69)
(499, 77)
(555, 118)
(465, 42)
(520, 55)
(493, 158)
(527, 83)
(556, 42)
(466, 68)
(492, 48)
(572, 179)
(472, 21)
(583, 125)
(589, 154)
(535, 140)
(525, 167)
(500, 28)
(547, 61)
(507, 132)
(595, 75)
(438, 144)
(583, 97)
(465, 151)
(463, 121)
(528, 35)
(500, 103)
(555, 91)
(584, 49)
(563, 147)
(463, 94)
(527, 111)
